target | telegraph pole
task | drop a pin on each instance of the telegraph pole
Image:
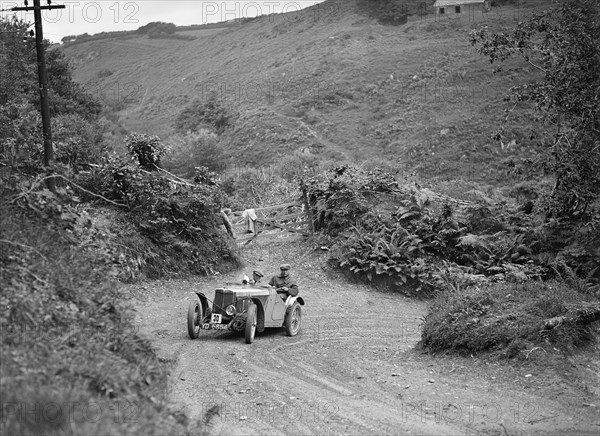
(43, 81)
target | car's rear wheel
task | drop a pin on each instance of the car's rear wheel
(194, 318)
(293, 319)
(250, 323)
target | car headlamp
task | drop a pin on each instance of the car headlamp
(230, 310)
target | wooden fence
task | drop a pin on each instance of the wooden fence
(290, 217)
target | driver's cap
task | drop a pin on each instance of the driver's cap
(285, 266)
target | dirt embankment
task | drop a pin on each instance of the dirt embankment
(353, 369)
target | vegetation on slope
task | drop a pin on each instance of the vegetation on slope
(350, 89)
(383, 228)
(78, 128)
(330, 83)
(512, 320)
(412, 240)
(72, 360)
(561, 42)
(393, 12)
(420, 95)
(170, 225)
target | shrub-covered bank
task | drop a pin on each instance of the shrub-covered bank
(468, 253)
(168, 225)
(72, 361)
(413, 239)
(511, 319)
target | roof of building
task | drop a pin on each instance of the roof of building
(442, 3)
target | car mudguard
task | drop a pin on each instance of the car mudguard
(291, 300)
(203, 301)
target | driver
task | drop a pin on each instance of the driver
(283, 282)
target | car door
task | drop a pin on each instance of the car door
(278, 308)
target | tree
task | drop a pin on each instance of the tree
(157, 27)
(195, 149)
(66, 96)
(562, 44)
(20, 124)
(199, 114)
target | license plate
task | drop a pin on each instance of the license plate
(216, 318)
(211, 326)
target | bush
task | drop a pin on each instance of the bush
(298, 164)
(105, 72)
(505, 318)
(20, 136)
(76, 141)
(157, 27)
(199, 114)
(250, 187)
(147, 149)
(417, 241)
(395, 241)
(195, 149)
(177, 220)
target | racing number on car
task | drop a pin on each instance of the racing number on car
(216, 318)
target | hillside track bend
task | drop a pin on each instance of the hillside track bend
(352, 369)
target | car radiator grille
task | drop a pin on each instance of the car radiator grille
(223, 298)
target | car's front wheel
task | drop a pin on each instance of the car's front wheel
(194, 318)
(293, 318)
(250, 323)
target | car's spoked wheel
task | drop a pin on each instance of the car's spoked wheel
(293, 319)
(194, 318)
(251, 323)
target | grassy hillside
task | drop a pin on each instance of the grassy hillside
(332, 82)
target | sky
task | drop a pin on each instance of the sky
(82, 16)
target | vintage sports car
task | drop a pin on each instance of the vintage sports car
(247, 307)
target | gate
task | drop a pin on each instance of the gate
(287, 218)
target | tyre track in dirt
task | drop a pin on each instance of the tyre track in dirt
(351, 370)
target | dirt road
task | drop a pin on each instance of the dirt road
(352, 370)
